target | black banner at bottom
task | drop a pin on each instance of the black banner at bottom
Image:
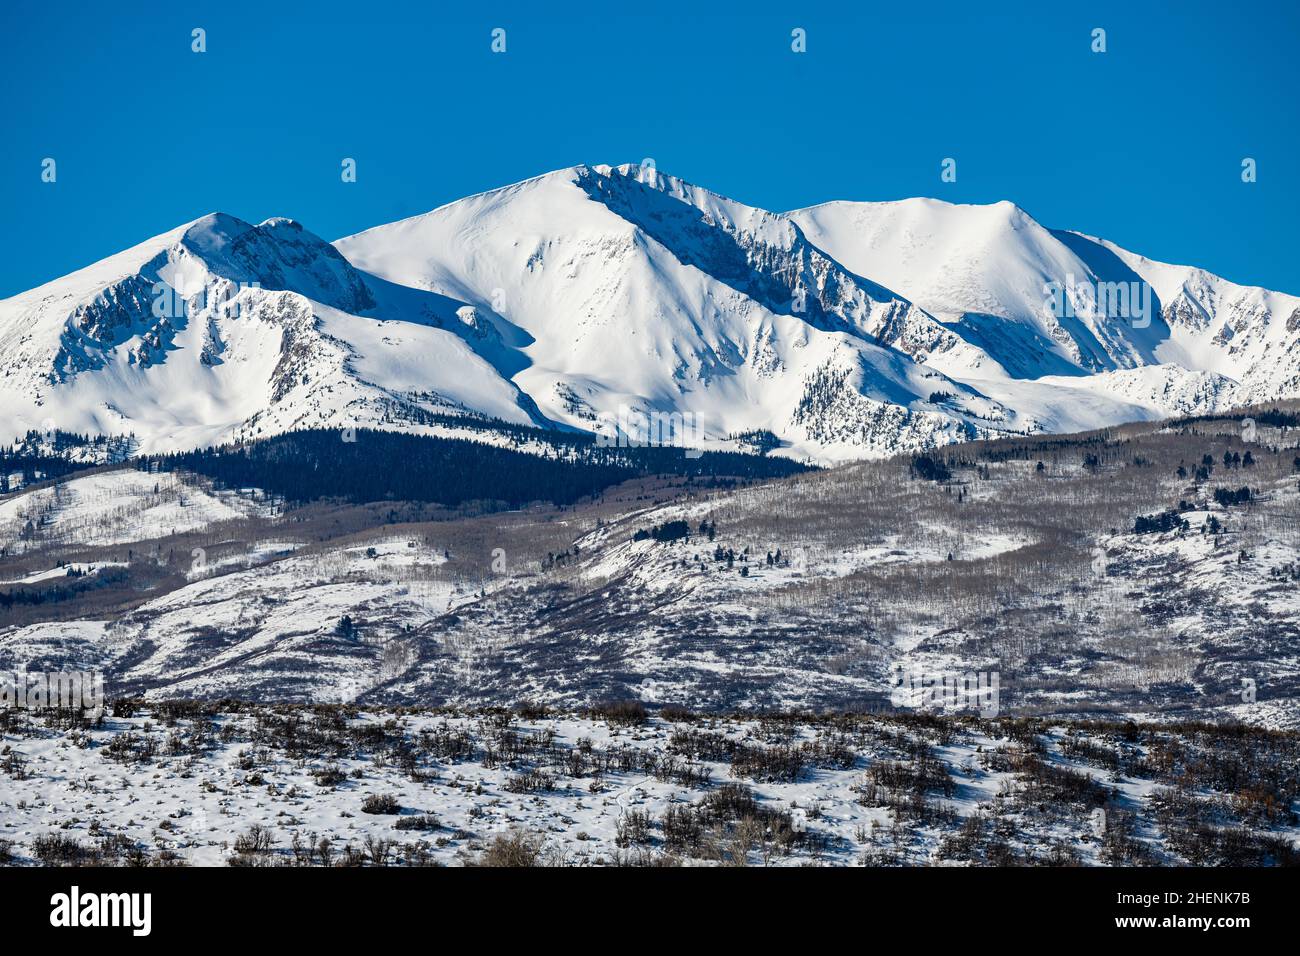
(334, 905)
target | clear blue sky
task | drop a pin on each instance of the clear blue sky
(1142, 144)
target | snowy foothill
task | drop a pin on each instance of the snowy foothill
(114, 507)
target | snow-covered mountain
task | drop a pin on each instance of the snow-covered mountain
(597, 294)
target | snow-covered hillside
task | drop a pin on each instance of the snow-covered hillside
(595, 293)
(1145, 571)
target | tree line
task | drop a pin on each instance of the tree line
(377, 466)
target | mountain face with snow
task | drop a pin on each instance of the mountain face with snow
(601, 294)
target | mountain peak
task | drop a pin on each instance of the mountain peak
(214, 232)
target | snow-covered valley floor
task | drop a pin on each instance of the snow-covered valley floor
(212, 784)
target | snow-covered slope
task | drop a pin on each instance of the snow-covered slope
(595, 293)
(172, 785)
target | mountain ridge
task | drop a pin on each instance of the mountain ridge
(598, 293)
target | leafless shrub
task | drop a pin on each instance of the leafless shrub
(633, 827)
(423, 821)
(512, 849)
(256, 840)
(381, 803)
(628, 713)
